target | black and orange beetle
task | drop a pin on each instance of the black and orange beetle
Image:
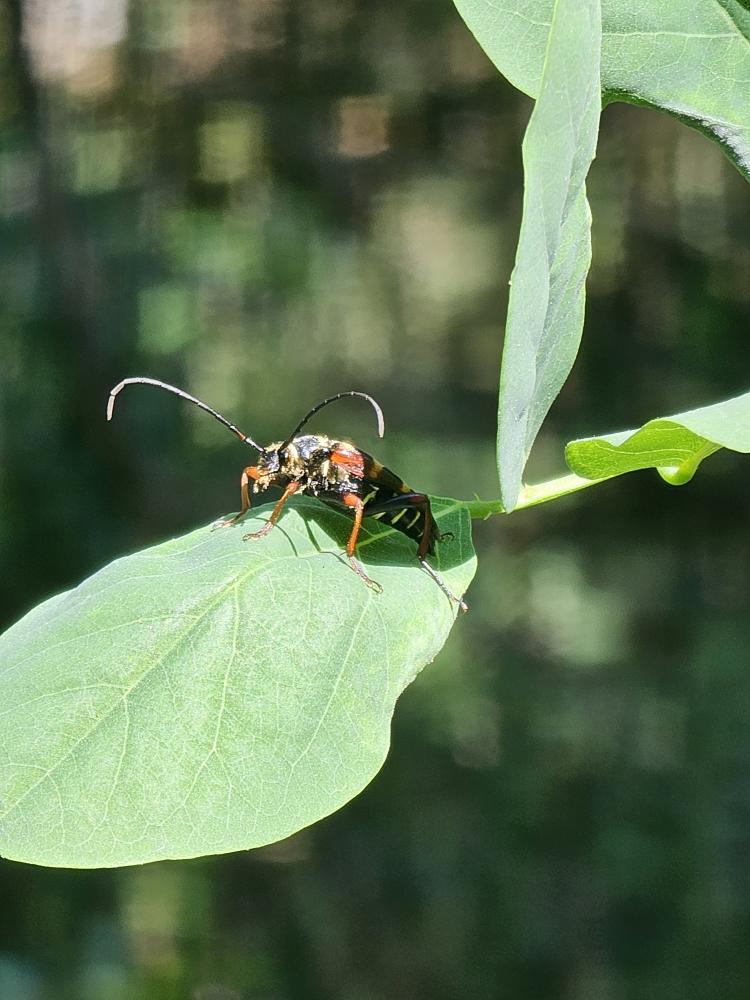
(335, 471)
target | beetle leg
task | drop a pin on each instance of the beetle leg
(422, 502)
(352, 500)
(276, 512)
(424, 546)
(423, 549)
(251, 472)
(442, 584)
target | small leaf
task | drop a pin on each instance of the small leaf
(674, 445)
(690, 58)
(209, 695)
(545, 311)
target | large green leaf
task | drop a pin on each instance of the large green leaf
(545, 311)
(690, 58)
(207, 695)
(674, 445)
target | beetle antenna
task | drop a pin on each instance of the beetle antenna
(332, 399)
(185, 395)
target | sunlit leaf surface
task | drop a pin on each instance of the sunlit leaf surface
(545, 312)
(674, 445)
(688, 57)
(209, 695)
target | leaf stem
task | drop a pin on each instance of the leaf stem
(532, 495)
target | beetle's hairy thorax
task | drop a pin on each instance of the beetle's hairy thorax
(308, 460)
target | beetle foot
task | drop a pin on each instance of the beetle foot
(443, 585)
(225, 522)
(357, 567)
(258, 534)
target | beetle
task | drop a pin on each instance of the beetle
(335, 471)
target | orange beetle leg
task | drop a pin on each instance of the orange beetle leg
(275, 513)
(251, 472)
(352, 500)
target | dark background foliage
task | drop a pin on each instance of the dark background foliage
(268, 200)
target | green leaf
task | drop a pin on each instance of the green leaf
(207, 695)
(690, 58)
(545, 311)
(674, 445)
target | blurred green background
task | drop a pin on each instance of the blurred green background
(265, 201)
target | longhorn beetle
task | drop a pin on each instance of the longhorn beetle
(337, 472)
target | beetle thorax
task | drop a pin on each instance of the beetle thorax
(303, 459)
(318, 463)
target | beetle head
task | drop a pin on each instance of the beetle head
(269, 468)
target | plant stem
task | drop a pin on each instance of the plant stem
(533, 495)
